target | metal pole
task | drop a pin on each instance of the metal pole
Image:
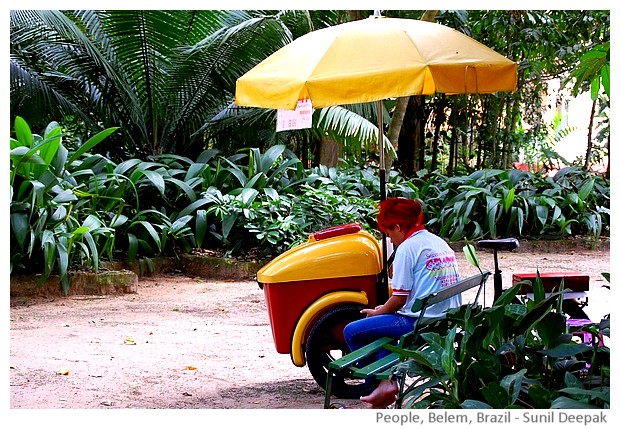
(382, 290)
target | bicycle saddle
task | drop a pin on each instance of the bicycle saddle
(499, 244)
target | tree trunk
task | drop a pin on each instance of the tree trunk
(411, 136)
(396, 123)
(329, 152)
(440, 117)
(586, 162)
(608, 156)
(452, 122)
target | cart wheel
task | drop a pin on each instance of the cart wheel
(326, 343)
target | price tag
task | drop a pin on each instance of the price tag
(296, 119)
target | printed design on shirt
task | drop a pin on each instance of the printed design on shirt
(442, 266)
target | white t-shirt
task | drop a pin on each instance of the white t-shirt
(423, 264)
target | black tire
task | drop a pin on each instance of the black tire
(326, 343)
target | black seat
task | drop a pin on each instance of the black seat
(499, 244)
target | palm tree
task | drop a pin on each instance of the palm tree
(166, 78)
(160, 75)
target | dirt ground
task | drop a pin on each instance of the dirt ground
(184, 343)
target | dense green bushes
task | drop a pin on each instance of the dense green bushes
(494, 203)
(511, 355)
(71, 209)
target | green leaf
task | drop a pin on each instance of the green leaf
(151, 230)
(20, 227)
(132, 247)
(22, 132)
(49, 252)
(156, 179)
(198, 203)
(586, 188)
(565, 350)
(596, 393)
(471, 404)
(512, 383)
(227, 223)
(470, 255)
(122, 168)
(550, 328)
(191, 195)
(94, 252)
(65, 196)
(91, 143)
(606, 77)
(496, 395)
(201, 227)
(52, 137)
(567, 403)
(542, 213)
(118, 221)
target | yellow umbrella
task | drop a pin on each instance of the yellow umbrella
(370, 60)
(373, 59)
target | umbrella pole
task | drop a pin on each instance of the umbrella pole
(382, 286)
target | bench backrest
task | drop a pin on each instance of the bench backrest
(421, 304)
(450, 291)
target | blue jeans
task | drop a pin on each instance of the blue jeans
(361, 332)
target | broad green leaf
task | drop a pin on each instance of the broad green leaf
(118, 220)
(156, 179)
(91, 143)
(470, 255)
(550, 328)
(132, 247)
(151, 230)
(472, 404)
(191, 195)
(201, 227)
(496, 395)
(595, 393)
(227, 224)
(20, 227)
(53, 139)
(586, 188)
(509, 200)
(94, 252)
(567, 403)
(65, 196)
(195, 170)
(565, 350)
(125, 166)
(198, 203)
(542, 213)
(512, 384)
(180, 222)
(22, 132)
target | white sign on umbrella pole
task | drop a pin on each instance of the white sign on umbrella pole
(296, 119)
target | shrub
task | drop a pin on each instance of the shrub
(511, 355)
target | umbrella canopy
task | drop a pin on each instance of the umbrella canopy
(373, 59)
(370, 60)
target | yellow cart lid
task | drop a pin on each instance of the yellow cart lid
(348, 255)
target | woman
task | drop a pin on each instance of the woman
(423, 264)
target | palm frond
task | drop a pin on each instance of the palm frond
(347, 127)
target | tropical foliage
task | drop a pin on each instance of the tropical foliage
(511, 355)
(153, 157)
(71, 209)
(500, 203)
(166, 78)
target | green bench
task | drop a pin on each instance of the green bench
(382, 369)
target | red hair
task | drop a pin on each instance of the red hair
(399, 211)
